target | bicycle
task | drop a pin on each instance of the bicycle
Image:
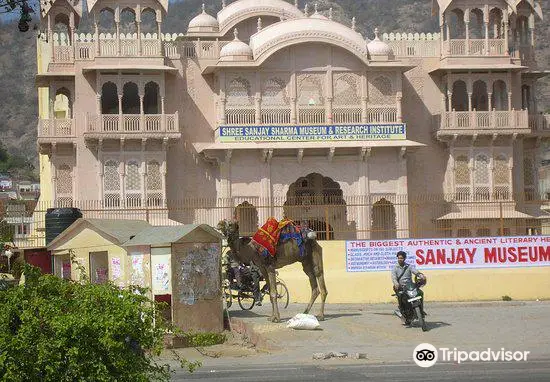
(245, 295)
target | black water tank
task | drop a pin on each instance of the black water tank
(59, 219)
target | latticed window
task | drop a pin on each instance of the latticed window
(501, 178)
(462, 177)
(154, 184)
(274, 93)
(239, 93)
(381, 92)
(481, 178)
(347, 89)
(310, 89)
(64, 186)
(133, 178)
(111, 184)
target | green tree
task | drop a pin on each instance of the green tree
(23, 7)
(58, 330)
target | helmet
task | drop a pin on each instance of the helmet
(420, 280)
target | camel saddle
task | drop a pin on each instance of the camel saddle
(268, 236)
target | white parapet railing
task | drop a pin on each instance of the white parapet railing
(413, 45)
(485, 120)
(474, 47)
(312, 115)
(240, 116)
(381, 114)
(133, 123)
(539, 122)
(276, 115)
(56, 128)
(347, 114)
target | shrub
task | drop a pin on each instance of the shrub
(57, 330)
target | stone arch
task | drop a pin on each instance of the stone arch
(500, 96)
(476, 26)
(247, 216)
(522, 28)
(312, 199)
(480, 96)
(149, 22)
(347, 89)
(61, 23)
(130, 98)
(381, 91)
(128, 20)
(62, 107)
(274, 92)
(109, 98)
(459, 96)
(526, 102)
(151, 98)
(384, 220)
(106, 17)
(496, 20)
(457, 27)
(239, 92)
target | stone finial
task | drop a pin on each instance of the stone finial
(353, 26)
(224, 4)
(316, 6)
(306, 9)
(376, 34)
(330, 13)
(259, 24)
(236, 34)
(296, 3)
(203, 8)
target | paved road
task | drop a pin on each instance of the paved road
(375, 331)
(528, 371)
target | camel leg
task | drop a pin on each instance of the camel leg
(319, 274)
(308, 270)
(275, 316)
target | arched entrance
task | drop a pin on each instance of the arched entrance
(384, 224)
(317, 201)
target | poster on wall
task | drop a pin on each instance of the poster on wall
(455, 253)
(66, 270)
(116, 270)
(161, 278)
(137, 275)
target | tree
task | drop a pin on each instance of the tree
(57, 330)
(8, 6)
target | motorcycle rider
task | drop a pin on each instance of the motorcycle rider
(401, 275)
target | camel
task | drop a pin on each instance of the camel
(287, 253)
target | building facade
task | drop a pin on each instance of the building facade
(266, 109)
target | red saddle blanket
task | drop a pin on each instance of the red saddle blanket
(267, 237)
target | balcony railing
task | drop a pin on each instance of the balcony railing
(132, 124)
(539, 122)
(474, 47)
(310, 115)
(485, 120)
(56, 128)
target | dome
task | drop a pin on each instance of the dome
(236, 50)
(203, 23)
(378, 48)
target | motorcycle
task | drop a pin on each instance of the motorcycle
(412, 302)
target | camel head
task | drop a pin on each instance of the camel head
(229, 229)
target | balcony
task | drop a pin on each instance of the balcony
(484, 122)
(132, 126)
(474, 47)
(310, 115)
(56, 131)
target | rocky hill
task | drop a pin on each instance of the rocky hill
(19, 108)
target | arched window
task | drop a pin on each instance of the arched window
(128, 21)
(109, 98)
(239, 93)
(247, 216)
(133, 185)
(460, 96)
(62, 107)
(457, 27)
(148, 21)
(477, 29)
(495, 24)
(311, 89)
(383, 220)
(481, 178)
(130, 99)
(151, 98)
(274, 93)
(479, 96)
(106, 21)
(500, 96)
(347, 89)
